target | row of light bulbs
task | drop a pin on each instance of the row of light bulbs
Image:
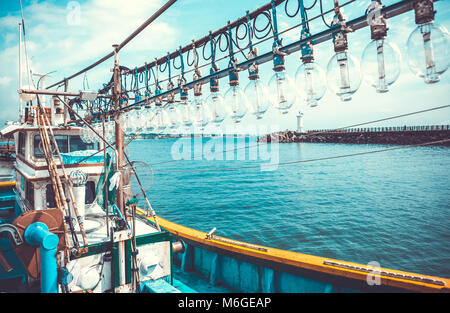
(427, 55)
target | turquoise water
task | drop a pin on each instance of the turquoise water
(391, 207)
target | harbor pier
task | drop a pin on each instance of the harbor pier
(400, 135)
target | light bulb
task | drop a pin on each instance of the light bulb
(428, 52)
(187, 112)
(344, 75)
(139, 121)
(283, 93)
(150, 121)
(258, 97)
(202, 115)
(109, 130)
(98, 129)
(380, 64)
(174, 116)
(161, 119)
(215, 106)
(134, 122)
(84, 135)
(129, 124)
(311, 79)
(236, 103)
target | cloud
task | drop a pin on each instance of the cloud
(58, 40)
(4, 81)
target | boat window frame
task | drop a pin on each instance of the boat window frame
(47, 193)
(29, 192)
(88, 190)
(96, 145)
(68, 145)
(21, 143)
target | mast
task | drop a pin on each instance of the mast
(120, 160)
(66, 100)
(118, 129)
(20, 71)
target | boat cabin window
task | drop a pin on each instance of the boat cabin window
(21, 146)
(29, 193)
(65, 144)
(50, 196)
(62, 141)
(76, 144)
(90, 192)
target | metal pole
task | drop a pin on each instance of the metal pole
(37, 234)
(126, 41)
(56, 93)
(66, 99)
(105, 177)
(120, 158)
(20, 71)
(118, 130)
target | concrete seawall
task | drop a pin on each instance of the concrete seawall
(404, 135)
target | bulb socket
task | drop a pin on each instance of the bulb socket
(278, 63)
(197, 87)
(424, 11)
(307, 48)
(234, 78)
(253, 71)
(183, 93)
(214, 81)
(253, 76)
(378, 32)
(340, 41)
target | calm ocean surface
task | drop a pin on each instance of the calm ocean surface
(391, 207)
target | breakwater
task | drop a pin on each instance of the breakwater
(401, 135)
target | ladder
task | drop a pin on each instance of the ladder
(46, 134)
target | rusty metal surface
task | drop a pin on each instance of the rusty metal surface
(30, 255)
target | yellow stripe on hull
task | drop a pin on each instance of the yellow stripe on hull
(336, 268)
(7, 184)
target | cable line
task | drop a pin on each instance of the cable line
(321, 132)
(304, 161)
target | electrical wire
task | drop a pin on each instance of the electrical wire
(264, 38)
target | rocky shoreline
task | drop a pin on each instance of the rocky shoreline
(381, 135)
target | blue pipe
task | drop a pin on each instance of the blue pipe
(37, 234)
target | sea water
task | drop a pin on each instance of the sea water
(389, 207)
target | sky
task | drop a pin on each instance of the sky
(66, 36)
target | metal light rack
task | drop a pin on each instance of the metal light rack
(317, 38)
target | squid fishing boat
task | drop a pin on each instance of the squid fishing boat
(136, 251)
(69, 223)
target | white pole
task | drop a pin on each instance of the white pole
(300, 128)
(20, 71)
